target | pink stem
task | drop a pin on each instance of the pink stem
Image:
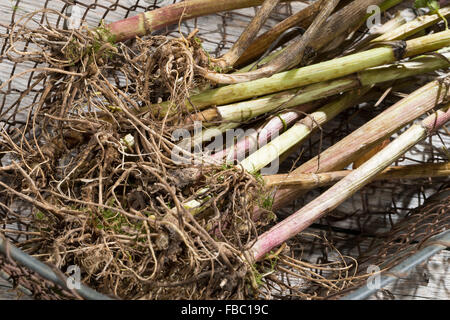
(263, 134)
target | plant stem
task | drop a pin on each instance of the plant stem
(299, 132)
(245, 39)
(243, 111)
(307, 181)
(349, 185)
(319, 34)
(319, 72)
(147, 22)
(355, 144)
(262, 135)
(303, 19)
(412, 27)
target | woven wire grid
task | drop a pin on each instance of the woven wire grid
(218, 33)
(18, 100)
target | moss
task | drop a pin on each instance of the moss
(209, 58)
(258, 177)
(111, 220)
(40, 215)
(266, 198)
(257, 278)
(273, 259)
(72, 52)
(273, 263)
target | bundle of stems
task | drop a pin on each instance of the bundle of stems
(356, 73)
(307, 181)
(318, 35)
(346, 150)
(350, 148)
(292, 55)
(288, 28)
(130, 146)
(266, 132)
(350, 184)
(232, 115)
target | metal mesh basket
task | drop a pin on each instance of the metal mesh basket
(361, 232)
